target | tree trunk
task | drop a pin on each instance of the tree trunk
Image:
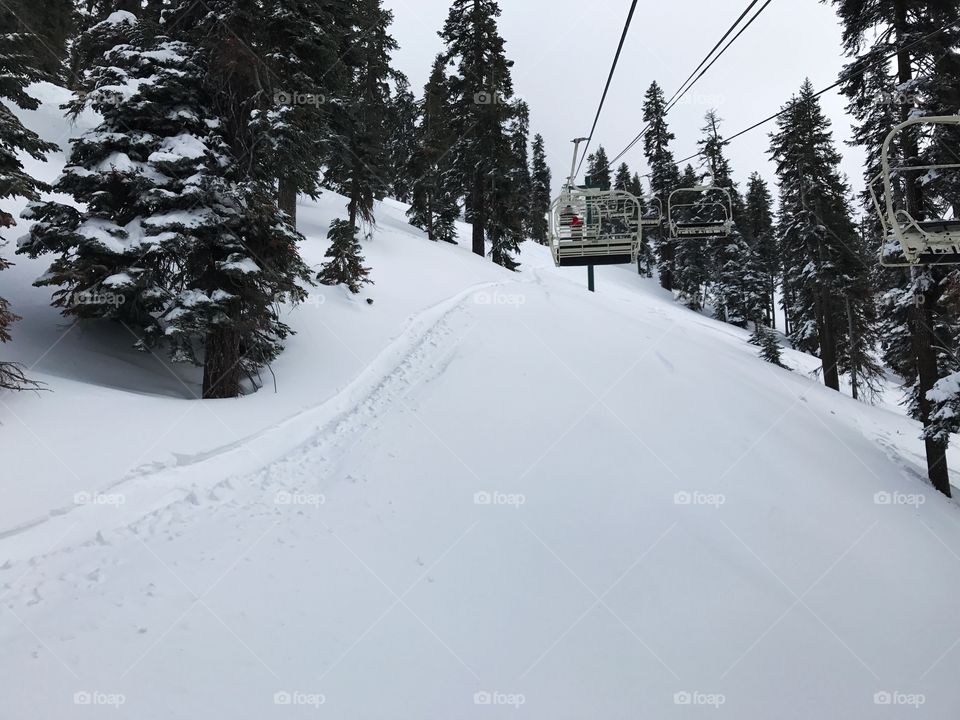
(287, 199)
(854, 354)
(221, 364)
(772, 303)
(667, 253)
(922, 315)
(430, 231)
(479, 219)
(828, 345)
(928, 372)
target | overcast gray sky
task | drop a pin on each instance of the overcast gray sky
(563, 50)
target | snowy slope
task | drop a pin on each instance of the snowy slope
(487, 494)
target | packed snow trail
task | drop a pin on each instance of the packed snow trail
(552, 502)
(159, 487)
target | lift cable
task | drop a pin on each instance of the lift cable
(613, 70)
(862, 69)
(702, 68)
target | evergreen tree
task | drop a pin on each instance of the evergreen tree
(179, 235)
(345, 266)
(42, 31)
(435, 206)
(402, 117)
(482, 113)
(922, 79)
(623, 179)
(636, 186)
(765, 338)
(88, 47)
(540, 192)
(299, 45)
(598, 170)
(664, 175)
(358, 165)
(517, 202)
(823, 255)
(758, 225)
(17, 70)
(738, 288)
(113, 261)
(691, 268)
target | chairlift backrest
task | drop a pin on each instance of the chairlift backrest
(701, 211)
(919, 240)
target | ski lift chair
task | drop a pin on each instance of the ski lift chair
(929, 241)
(590, 226)
(699, 212)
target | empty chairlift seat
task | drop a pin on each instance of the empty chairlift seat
(912, 240)
(700, 212)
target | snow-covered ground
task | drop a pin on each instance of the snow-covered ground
(486, 494)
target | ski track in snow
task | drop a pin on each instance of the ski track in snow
(308, 445)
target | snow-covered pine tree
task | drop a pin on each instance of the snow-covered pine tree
(737, 288)
(17, 70)
(765, 338)
(519, 186)
(481, 92)
(824, 261)
(627, 182)
(236, 276)
(758, 225)
(690, 262)
(402, 117)
(345, 266)
(358, 165)
(921, 80)
(664, 175)
(43, 30)
(110, 264)
(622, 178)
(510, 192)
(179, 235)
(598, 170)
(299, 45)
(435, 205)
(87, 48)
(540, 192)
